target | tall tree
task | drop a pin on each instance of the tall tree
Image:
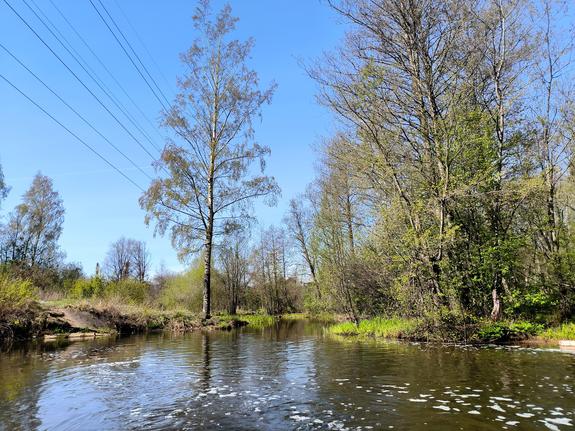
(34, 227)
(127, 258)
(209, 182)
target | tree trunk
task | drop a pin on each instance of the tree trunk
(206, 307)
(496, 310)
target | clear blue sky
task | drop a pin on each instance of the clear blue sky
(100, 205)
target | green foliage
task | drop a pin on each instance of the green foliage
(313, 305)
(88, 288)
(184, 290)
(507, 331)
(445, 325)
(15, 293)
(258, 320)
(129, 290)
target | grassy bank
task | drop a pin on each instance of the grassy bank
(563, 332)
(437, 330)
(377, 327)
(38, 319)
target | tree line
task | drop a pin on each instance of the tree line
(449, 185)
(446, 190)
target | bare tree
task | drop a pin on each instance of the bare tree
(234, 253)
(119, 258)
(300, 223)
(209, 184)
(141, 261)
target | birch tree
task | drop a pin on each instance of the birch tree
(208, 180)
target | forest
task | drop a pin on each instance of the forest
(444, 198)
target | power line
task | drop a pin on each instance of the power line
(133, 51)
(175, 128)
(128, 55)
(90, 75)
(73, 110)
(141, 42)
(101, 84)
(92, 149)
(103, 65)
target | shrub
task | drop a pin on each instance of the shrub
(507, 331)
(15, 293)
(88, 288)
(129, 290)
(183, 291)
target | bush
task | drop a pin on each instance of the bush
(88, 288)
(507, 331)
(183, 291)
(15, 293)
(447, 326)
(129, 290)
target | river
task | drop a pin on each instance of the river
(289, 376)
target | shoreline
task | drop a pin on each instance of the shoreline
(478, 333)
(48, 321)
(82, 320)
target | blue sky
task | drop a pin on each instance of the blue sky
(100, 205)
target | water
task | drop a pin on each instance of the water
(285, 377)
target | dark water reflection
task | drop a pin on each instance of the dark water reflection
(285, 377)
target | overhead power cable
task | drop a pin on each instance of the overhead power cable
(142, 43)
(77, 77)
(103, 65)
(129, 57)
(92, 149)
(73, 110)
(88, 69)
(134, 51)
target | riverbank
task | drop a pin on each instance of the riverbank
(82, 319)
(429, 330)
(94, 318)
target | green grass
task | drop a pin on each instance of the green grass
(377, 327)
(563, 332)
(258, 320)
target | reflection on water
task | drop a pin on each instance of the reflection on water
(285, 377)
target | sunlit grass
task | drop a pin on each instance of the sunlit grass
(258, 320)
(563, 332)
(376, 327)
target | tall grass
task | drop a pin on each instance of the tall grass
(258, 320)
(563, 332)
(376, 327)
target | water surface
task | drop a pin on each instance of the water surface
(286, 377)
